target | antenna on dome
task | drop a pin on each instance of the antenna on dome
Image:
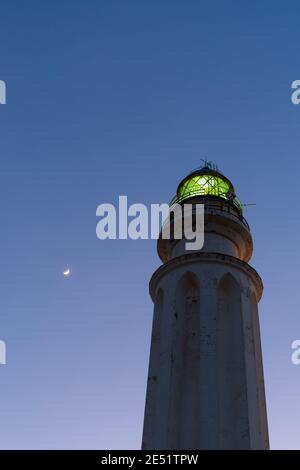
(209, 164)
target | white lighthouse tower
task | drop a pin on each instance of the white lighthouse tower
(205, 385)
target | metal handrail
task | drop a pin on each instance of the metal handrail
(238, 214)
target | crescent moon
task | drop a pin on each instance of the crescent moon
(66, 272)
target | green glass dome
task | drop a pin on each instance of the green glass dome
(207, 182)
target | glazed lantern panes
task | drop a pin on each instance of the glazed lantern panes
(204, 185)
(210, 184)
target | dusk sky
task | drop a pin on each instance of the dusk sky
(123, 97)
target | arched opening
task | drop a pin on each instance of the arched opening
(232, 389)
(185, 363)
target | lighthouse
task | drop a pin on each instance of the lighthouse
(205, 386)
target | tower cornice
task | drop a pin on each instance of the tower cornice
(206, 257)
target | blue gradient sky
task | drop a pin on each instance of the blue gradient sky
(125, 97)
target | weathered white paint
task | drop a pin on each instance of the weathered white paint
(205, 386)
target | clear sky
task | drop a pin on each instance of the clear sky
(114, 97)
